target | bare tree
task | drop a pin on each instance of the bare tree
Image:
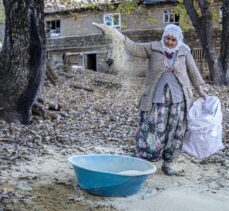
(224, 51)
(203, 23)
(21, 59)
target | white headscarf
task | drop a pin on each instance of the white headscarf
(175, 31)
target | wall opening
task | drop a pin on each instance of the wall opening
(92, 62)
(53, 28)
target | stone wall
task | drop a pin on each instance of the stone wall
(95, 41)
(76, 42)
(58, 48)
(96, 44)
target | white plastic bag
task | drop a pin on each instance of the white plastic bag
(204, 136)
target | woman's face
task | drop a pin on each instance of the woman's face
(170, 41)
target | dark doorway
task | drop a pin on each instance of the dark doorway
(91, 62)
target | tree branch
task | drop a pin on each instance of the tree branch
(205, 9)
(190, 8)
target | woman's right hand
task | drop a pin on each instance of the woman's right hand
(108, 30)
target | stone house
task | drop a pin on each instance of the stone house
(73, 40)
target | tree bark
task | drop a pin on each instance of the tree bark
(224, 51)
(21, 59)
(204, 28)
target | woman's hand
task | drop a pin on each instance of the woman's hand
(108, 30)
(201, 92)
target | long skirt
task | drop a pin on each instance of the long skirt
(161, 130)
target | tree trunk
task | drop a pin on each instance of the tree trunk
(204, 28)
(21, 59)
(224, 51)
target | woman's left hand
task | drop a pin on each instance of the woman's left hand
(201, 92)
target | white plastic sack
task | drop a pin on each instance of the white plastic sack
(204, 136)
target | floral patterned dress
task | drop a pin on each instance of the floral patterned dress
(162, 129)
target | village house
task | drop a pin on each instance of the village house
(73, 40)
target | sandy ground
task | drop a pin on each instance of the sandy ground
(46, 180)
(48, 183)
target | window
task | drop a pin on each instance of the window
(170, 17)
(53, 28)
(113, 20)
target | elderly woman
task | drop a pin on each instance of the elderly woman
(166, 96)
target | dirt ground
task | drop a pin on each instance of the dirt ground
(35, 173)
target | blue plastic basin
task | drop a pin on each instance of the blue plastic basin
(111, 175)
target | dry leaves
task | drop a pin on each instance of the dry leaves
(107, 116)
(101, 121)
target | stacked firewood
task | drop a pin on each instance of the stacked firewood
(42, 108)
(45, 109)
(51, 75)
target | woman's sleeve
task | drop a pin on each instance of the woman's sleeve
(141, 50)
(193, 71)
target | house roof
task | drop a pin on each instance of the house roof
(56, 6)
(61, 6)
(159, 1)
